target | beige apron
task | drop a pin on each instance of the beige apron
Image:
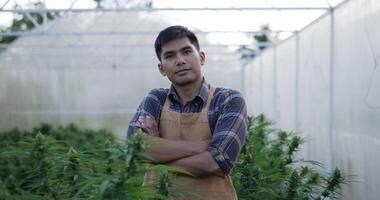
(192, 127)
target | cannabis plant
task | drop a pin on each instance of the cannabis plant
(73, 163)
(267, 167)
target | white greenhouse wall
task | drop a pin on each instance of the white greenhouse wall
(95, 81)
(323, 93)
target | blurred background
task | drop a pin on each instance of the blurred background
(311, 66)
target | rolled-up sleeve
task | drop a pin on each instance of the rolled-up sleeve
(230, 131)
(149, 106)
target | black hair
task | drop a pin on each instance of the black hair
(174, 32)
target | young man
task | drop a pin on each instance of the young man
(199, 127)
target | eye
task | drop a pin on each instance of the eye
(168, 56)
(187, 51)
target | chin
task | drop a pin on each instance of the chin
(184, 81)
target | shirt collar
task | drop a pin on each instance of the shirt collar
(202, 92)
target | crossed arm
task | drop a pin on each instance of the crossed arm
(190, 155)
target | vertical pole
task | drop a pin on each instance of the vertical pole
(261, 84)
(242, 79)
(44, 17)
(275, 95)
(297, 65)
(331, 96)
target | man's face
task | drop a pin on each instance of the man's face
(181, 62)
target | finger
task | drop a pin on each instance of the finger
(147, 125)
(150, 122)
(141, 118)
(150, 119)
(143, 122)
(147, 121)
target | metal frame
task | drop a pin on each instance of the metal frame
(122, 8)
(37, 33)
(329, 9)
(267, 44)
(137, 9)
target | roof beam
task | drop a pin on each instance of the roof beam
(2, 6)
(35, 23)
(163, 9)
(22, 46)
(108, 33)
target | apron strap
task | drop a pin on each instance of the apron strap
(205, 107)
(209, 98)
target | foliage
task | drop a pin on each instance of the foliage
(262, 37)
(98, 3)
(248, 53)
(22, 22)
(67, 162)
(73, 163)
(267, 168)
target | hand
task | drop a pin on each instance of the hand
(150, 124)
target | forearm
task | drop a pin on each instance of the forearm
(163, 150)
(201, 164)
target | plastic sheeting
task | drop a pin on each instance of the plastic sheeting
(94, 80)
(309, 92)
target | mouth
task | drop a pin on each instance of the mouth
(182, 71)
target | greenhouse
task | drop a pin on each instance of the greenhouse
(309, 67)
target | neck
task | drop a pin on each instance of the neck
(189, 91)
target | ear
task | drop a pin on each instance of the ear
(160, 68)
(203, 57)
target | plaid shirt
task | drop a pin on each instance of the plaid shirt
(227, 117)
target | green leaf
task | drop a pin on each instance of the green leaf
(103, 188)
(173, 169)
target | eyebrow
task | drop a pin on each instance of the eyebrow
(167, 53)
(182, 49)
(186, 48)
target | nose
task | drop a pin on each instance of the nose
(180, 60)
